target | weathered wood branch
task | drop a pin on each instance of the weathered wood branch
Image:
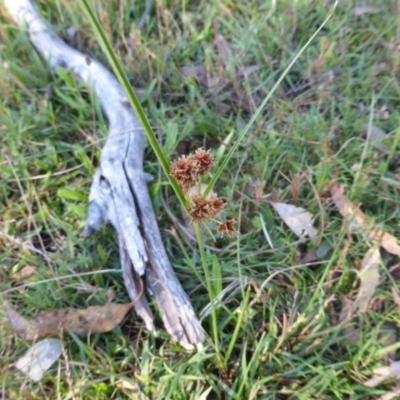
(119, 193)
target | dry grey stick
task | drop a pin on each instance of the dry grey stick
(119, 193)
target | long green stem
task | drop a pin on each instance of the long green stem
(123, 80)
(209, 288)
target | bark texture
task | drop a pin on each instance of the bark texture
(119, 193)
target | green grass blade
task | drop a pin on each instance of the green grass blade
(123, 80)
(214, 321)
(236, 331)
(262, 105)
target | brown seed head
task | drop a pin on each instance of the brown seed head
(227, 227)
(182, 170)
(203, 161)
(202, 208)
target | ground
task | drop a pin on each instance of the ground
(279, 332)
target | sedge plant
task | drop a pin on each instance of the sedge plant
(187, 171)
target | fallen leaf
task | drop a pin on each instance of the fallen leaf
(359, 220)
(358, 11)
(369, 277)
(383, 373)
(95, 319)
(39, 358)
(296, 218)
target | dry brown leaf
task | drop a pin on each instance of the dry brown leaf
(383, 373)
(358, 11)
(369, 277)
(359, 220)
(95, 319)
(296, 218)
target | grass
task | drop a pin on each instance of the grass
(283, 342)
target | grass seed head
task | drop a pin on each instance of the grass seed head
(182, 170)
(203, 161)
(227, 227)
(203, 208)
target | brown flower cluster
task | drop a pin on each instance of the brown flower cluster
(205, 207)
(203, 161)
(183, 172)
(186, 170)
(227, 227)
